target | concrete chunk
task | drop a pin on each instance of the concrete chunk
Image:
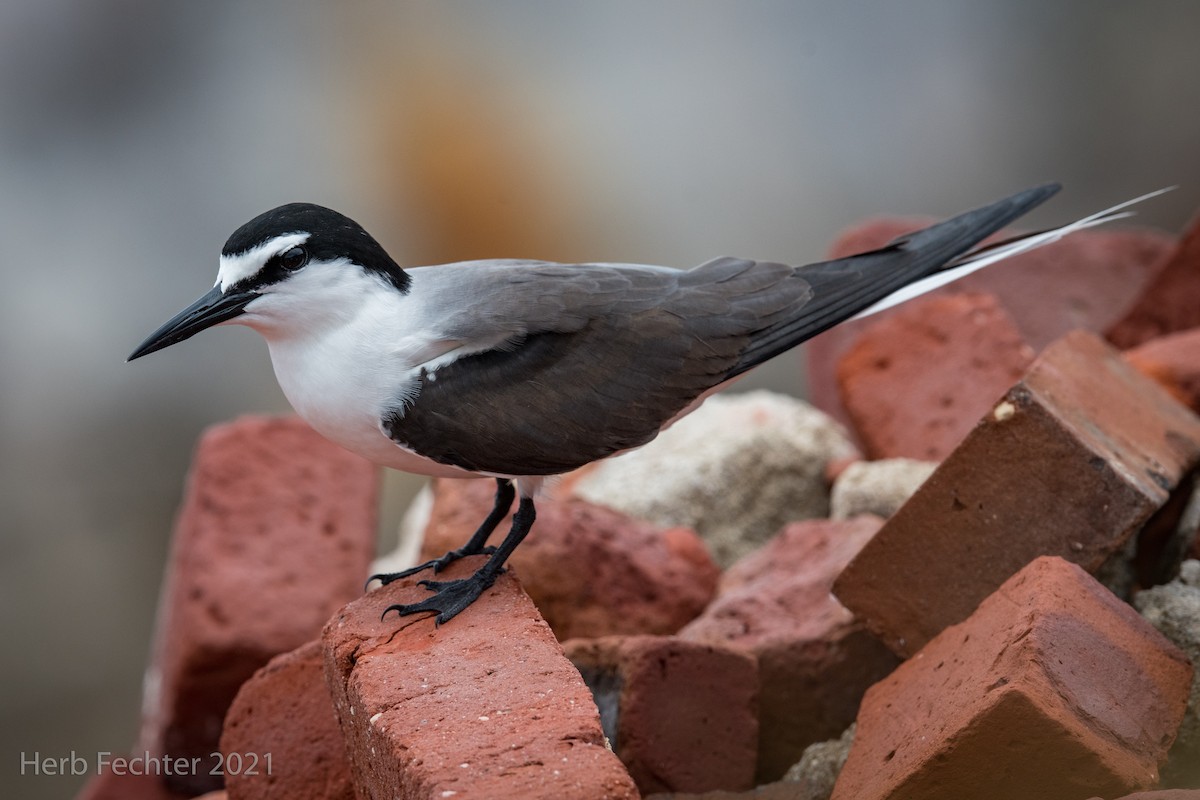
(735, 471)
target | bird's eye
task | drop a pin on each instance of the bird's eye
(293, 258)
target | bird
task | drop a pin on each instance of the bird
(521, 370)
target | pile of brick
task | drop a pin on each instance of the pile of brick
(957, 618)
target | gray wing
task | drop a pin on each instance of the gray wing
(594, 359)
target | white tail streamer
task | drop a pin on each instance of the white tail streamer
(988, 255)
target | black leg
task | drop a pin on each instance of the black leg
(451, 597)
(474, 546)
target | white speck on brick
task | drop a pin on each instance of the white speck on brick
(375, 717)
(1003, 411)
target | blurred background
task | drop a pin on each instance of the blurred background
(135, 135)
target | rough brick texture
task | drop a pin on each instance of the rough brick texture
(1161, 794)
(814, 659)
(590, 570)
(485, 706)
(681, 716)
(1052, 689)
(1071, 462)
(284, 713)
(1174, 362)
(914, 383)
(771, 791)
(110, 786)
(1169, 302)
(1083, 281)
(276, 532)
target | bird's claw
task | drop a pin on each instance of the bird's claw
(436, 564)
(449, 597)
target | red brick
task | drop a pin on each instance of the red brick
(1173, 361)
(1161, 794)
(814, 659)
(592, 571)
(283, 733)
(1168, 303)
(1083, 281)
(276, 532)
(681, 716)
(1052, 689)
(915, 383)
(771, 791)
(484, 706)
(110, 786)
(1071, 462)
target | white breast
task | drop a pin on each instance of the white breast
(346, 362)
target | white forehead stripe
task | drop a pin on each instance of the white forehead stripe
(244, 265)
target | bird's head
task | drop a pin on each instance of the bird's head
(286, 269)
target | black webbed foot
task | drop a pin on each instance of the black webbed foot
(474, 547)
(450, 597)
(436, 564)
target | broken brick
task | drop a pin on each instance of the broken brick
(814, 659)
(1082, 281)
(483, 706)
(1071, 462)
(281, 739)
(109, 785)
(1173, 361)
(1169, 302)
(780, 790)
(276, 533)
(682, 716)
(1160, 794)
(590, 570)
(914, 384)
(1052, 689)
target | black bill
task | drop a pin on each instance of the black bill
(210, 309)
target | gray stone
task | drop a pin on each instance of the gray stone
(735, 471)
(877, 487)
(818, 769)
(1174, 609)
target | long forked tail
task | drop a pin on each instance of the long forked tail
(866, 283)
(986, 256)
